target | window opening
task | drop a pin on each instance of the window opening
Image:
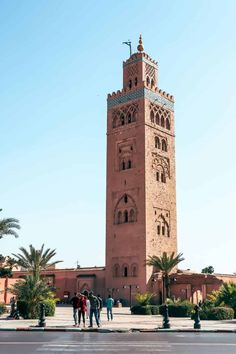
(125, 271)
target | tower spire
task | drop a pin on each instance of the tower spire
(140, 45)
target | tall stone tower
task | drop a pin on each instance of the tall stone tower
(141, 187)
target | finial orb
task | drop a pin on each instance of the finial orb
(140, 46)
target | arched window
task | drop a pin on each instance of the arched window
(163, 179)
(158, 176)
(130, 84)
(116, 271)
(125, 273)
(158, 229)
(147, 81)
(163, 145)
(129, 117)
(162, 121)
(134, 270)
(125, 198)
(123, 165)
(122, 119)
(157, 118)
(157, 142)
(152, 83)
(167, 124)
(152, 116)
(119, 217)
(132, 215)
(126, 216)
(136, 81)
(134, 116)
(129, 165)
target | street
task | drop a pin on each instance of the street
(56, 342)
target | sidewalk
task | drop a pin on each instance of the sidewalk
(123, 322)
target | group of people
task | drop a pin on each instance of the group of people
(87, 305)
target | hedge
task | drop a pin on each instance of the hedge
(215, 313)
(3, 309)
(145, 310)
(50, 307)
(22, 307)
(154, 309)
(178, 310)
(141, 310)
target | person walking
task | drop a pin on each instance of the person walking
(94, 306)
(82, 308)
(75, 303)
(109, 303)
(100, 307)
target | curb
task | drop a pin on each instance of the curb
(110, 330)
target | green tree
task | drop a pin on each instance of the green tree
(165, 263)
(208, 270)
(226, 295)
(143, 299)
(7, 263)
(35, 260)
(32, 290)
(9, 226)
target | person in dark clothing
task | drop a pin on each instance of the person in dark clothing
(94, 306)
(82, 308)
(100, 307)
(75, 303)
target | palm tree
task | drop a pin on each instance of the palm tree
(8, 226)
(32, 290)
(35, 260)
(165, 263)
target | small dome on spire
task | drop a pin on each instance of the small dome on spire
(140, 46)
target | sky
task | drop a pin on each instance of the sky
(58, 61)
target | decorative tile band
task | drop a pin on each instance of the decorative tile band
(141, 93)
(155, 97)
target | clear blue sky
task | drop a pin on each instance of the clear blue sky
(58, 61)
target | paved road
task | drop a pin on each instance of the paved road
(57, 343)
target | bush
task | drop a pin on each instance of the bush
(154, 309)
(50, 306)
(143, 299)
(178, 310)
(215, 313)
(3, 309)
(141, 310)
(22, 307)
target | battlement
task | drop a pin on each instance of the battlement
(139, 57)
(124, 91)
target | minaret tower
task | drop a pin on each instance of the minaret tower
(141, 186)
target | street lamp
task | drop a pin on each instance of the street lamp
(130, 292)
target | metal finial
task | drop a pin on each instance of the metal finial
(129, 44)
(140, 46)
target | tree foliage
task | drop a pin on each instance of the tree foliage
(7, 263)
(165, 263)
(35, 260)
(9, 226)
(143, 299)
(208, 270)
(32, 290)
(225, 296)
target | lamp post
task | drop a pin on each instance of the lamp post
(130, 292)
